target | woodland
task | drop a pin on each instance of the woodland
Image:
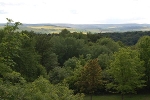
(70, 65)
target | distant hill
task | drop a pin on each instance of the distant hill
(93, 28)
(110, 27)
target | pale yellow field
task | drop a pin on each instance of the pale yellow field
(49, 27)
(146, 29)
(111, 27)
(1, 26)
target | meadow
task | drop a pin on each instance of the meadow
(118, 97)
(45, 29)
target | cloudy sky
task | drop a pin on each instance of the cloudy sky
(76, 11)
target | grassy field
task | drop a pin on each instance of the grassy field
(118, 97)
(1, 27)
(47, 29)
(52, 29)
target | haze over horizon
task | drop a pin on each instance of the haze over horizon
(76, 11)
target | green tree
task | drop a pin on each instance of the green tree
(101, 47)
(74, 62)
(28, 61)
(18, 51)
(40, 89)
(2, 34)
(104, 60)
(90, 78)
(126, 71)
(58, 74)
(64, 32)
(11, 27)
(66, 48)
(10, 42)
(74, 67)
(10, 47)
(44, 48)
(109, 43)
(143, 45)
(97, 50)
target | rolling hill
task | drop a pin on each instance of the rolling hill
(93, 28)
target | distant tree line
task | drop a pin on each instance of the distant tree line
(127, 38)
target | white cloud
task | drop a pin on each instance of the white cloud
(75, 11)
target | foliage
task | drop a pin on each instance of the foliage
(64, 32)
(126, 71)
(127, 38)
(74, 66)
(18, 51)
(38, 90)
(44, 48)
(117, 97)
(66, 48)
(67, 58)
(90, 77)
(11, 27)
(74, 62)
(10, 46)
(143, 46)
(104, 60)
(58, 74)
(109, 43)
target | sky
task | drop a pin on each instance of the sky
(76, 11)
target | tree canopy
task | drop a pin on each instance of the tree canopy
(61, 66)
(126, 72)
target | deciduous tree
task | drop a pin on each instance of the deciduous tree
(90, 77)
(126, 71)
(144, 50)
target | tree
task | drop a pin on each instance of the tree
(11, 27)
(143, 45)
(104, 59)
(10, 42)
(66, 48)
(102, 46)
(18, 51)
(28, 61)
(44, 48)
(40, 89)
(74, 67)
(58, 74)
(109, 43)
(90, 77)
(126, 71)
(64, 32)
(97, 50)
(18, 57)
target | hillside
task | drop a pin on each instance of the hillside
(94, 28)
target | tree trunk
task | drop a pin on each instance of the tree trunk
(91, 97)
(122, 96)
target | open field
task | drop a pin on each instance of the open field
(49, 29)
(1, 27)
(118, 97)
(46, 29)
(40, 28)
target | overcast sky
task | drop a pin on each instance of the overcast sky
(76, 11)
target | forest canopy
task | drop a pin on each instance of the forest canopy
(67, 65)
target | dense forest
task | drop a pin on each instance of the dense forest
(67, 66)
